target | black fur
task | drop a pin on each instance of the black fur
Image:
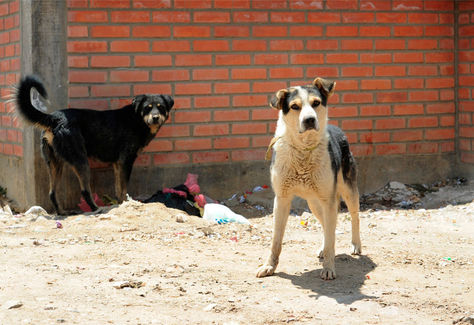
(112, 136)
(341, 156)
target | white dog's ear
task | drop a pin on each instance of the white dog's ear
(326, 87)
(278, 100)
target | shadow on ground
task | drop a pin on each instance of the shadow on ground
(351, 273)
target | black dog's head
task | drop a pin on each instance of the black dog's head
(153, 109)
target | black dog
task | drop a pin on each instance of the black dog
(73, 135)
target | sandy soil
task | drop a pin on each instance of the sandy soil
(141, 264)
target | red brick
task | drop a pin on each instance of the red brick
(270, 31)
(249, 73)
(152, 60)
(194, 117)
(129, 76)
(342, 58)
(193, 59)
(130, 16)
(210, 46)
(390, 123)
(390, 70)
(374, 58)
(439, 134)
(18, 150)
(408, 109)
(271, 59)
(231, 115)
(307, 58)
(232, 59)
(86, 46)
(78, 91)
(423, 18)
(409, 57)
(245, 155)
(211, 129)
(440, 108)
(129, 46)
(390, 149)
(231, 31)
(407, 135)
(322, 45)
(142, 160)
(250, 101)
(211, 102)
(171, 46)
(409, 83)
(266, 114)
(344, 111)
(151, 31)
(466, 31)
(210, 74)
(440, 82)
(439, 5)
(377, 110)
(88, 76)
(159, 145)
(109, 4)
(374, 31)
(423, 70)
(148, 88)
(447, 121)
(422, 44)
(235, 87)
(171, 158)
(8, 149)
(306, 4)
(358, 17)
(428, 95)
(439, 57)
(210, 157)
(361, 72)
(110, 91)
(168, 131)
(107, 61)
(339, 5)
(324, 17)
(423, 148)
(268, 86)
(171, 75)
(345, 84)
(359, 44)
(287, 17)
(286, 45)
(265, 4)
(211, 17)
(77, 3)
(390, 44)
(358, 124)
(306, 31)
(261, 141)
(249, 128)
(328, 72)
(231, 142)
(391, 97)
(341, 31)
(439, 31)
(249, 45)
(232, 4)
(250, 17)
(77, 61)
(171, 17)
(151, 3)
(87, 16)
(374, 137)
(198, 4)
(77, 31)
(423, 122)
(194, 88)
(99, 104)
(276, 73)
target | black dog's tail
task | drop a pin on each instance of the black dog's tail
(29, 104)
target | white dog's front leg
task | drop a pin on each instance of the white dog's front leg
(281, 210)
(330, 220)
(317, 211)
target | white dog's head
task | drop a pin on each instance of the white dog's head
(304, 108)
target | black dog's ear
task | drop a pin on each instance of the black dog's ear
(137, 100)
(278, 100)
(169, 101)
(326, 87)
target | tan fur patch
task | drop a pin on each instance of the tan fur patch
(48, 135)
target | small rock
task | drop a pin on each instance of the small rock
(36, 211)
(210, 307)
(397, 186)
(181, 218)
(11, 304)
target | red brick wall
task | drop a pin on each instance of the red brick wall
(221, 60)
(11, 136)
(466, 80)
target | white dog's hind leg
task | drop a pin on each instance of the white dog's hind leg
(330, 220)
(281, 210)
(317, 211)
(351, 198)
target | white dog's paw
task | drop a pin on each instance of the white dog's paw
(321, 252)
(265, 270)
(328, 274)
(356, 249)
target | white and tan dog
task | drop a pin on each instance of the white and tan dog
(311, 160)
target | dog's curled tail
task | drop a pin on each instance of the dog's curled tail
(29, 103)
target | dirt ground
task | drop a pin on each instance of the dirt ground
(147, 264)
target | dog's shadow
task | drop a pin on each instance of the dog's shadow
(352, 272)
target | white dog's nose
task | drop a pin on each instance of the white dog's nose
(310, 123)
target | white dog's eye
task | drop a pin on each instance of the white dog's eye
(295, 107)
(150, 105)
(316, 103)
